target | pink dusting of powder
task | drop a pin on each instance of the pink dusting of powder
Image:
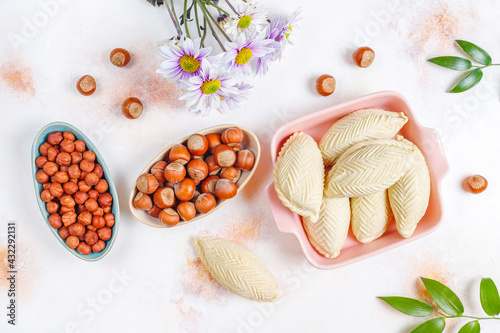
(18, 77)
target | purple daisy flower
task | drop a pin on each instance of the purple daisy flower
(211, 86)
(239, 54)
(233, 102)
(182, 60)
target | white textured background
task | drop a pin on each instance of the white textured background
(166, 290)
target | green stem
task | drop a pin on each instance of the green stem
(173, 16)
(212, 4)
(465, 316)
(204, 30)
(185, 19)
(485, 65)
(207, 13)
(231, 6)
(213, 32)
(196, 16)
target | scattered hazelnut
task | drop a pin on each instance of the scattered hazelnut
(132, 108)
(224, 156)
(185, 189)
(232, 135)
(325, 85)
(72, 242)
(477, 184)
(363, 57)
(119, 57)
(225, 189)
(197, 144)
(86, 85)
(186, 210)
(179, 154)
(205, 203)
(197, 170)
(143, 201)
(169, 217)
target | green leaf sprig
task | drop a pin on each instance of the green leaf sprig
(449, 304)
(474, 73)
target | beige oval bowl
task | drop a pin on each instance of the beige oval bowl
(250, 142)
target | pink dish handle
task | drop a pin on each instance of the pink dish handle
(282, 215)
(436, 153)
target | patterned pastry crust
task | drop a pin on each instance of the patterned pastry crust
(409, 196)
(329, 233)
(359, 126)
(237, 269)
(299, 176)
(371, 215)
(369, 167)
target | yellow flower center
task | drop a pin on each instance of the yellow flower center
(245, 21)
(244, 55)
(189, 64)
(288, 35)
(209, 87)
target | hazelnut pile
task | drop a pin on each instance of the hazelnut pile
(194, 176)
(75, 192)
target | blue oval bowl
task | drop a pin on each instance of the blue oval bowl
(41, 138)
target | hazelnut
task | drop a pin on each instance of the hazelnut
(363, 57)
(65, 209)
(55, 138)
(91, 205)
(60, 177)
(67, 200)
(63, 232)
(477, 184)
(81, 209)
(224, 156)
(50, 168)
(93, 194)
(208, 185)
(169, 217)
(232, 135)
(154, 212)
(230, 173)
(46, 196)
(55, 221)
(86, 165)
(41, 176)
(236, 147)
(110, 220)
(85, 218)
(63, 159)
(91, 237)
(106, 209)
(76, 229)
(63, 168)
(69, 218)
(52, 154)
(164, 197)
(76, 157)
(101, 186)
(98, 170)
(105, 199)
(70, 188)
(72, 242)
(119, 57)
(74, 171)
(98, 246)
(69, 136)
(44, 148)
(84, 248)
(180, 154)
(185, 189)
(186, 210)
(98, 212)
(80, 146)
(52, 207)
(245, 160)
(86, 85)
(67, 146)
(80, 197)
(213, 168)
(325, 85)
(158, 170)
(98, 222)
(91, 179)
(205, 203)
(40, 161)
(82, 186)
(104, 233)
(195, 196)
(197, 170)
(132, 108)
(214, 140)
(174, 172)
(197, 144)
(143, 201)
(147, 183)
(89, 156)
(56, 190)
(225, 189)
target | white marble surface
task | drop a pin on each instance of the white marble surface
(163, 288)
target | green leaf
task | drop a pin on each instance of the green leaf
(444, 297)
(409, 306)
(471, 327)
(490, 300)
(468, 81)
(435, 325)
(456, 63)
(476, 53)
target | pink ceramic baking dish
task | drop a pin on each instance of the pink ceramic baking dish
(316, 124)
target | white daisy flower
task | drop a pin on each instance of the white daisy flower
(239, 54)
(250, 18)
